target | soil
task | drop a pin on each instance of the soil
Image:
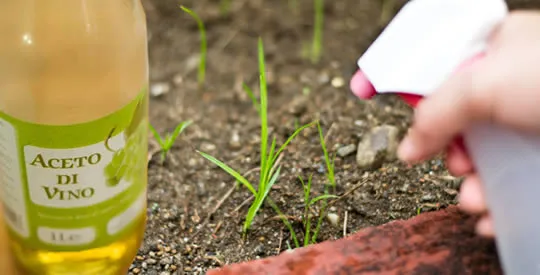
(192, 225)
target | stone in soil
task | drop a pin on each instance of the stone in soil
(442, 242)
(346, 150)
(377, 146)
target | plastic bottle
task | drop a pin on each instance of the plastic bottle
(73, 133)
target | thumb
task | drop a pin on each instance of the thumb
(446, 113)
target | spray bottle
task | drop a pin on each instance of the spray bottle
(423, 45)
(73, 133)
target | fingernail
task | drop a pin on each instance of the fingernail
(406, 151)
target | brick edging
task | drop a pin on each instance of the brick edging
(442, 242)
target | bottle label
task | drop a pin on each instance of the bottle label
(75, 187)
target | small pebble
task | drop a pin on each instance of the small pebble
(377, 146)
(165, 261)
(159, 89)
(208, 147)
(428, 197)
(178, 79)
(136, 271)
(346, 150)
(338, 82)
(333, 219)
(235, 143)
(151, 261)
(323, 78)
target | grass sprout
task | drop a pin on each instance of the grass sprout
(330, 163)
(202, 31)
(316, 46)
(251, 96)
(308, 201)
(167, 142)
(269, 174)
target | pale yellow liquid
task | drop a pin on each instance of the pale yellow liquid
(64, 62)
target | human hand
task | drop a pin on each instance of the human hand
(503, 87)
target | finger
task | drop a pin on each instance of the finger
(472, 196)
(485, 227)
(361, 87)
(457, 160)
(442, 116)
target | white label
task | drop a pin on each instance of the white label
(59, 236)
(11, 186)
(119, 222)
(67, 178)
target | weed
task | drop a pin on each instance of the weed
(316, 46)
(268, 173)
(167, 142)
(251, 96)
(321, 216)
(308, 203)
(202, 30)
(330, 164)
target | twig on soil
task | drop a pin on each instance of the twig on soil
(226, 41)
(218, 226)
(347, 193)
(280, 240)
(229, 193)
(215, 259)
(222, 200)
(328, 133)
(345, 223)
(242, 204)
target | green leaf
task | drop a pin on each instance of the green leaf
(304, 188)
(290, 139)
(263, 112)
(251, 96)
(322, 197)
(316, 47)
(177, 131)
(156, 136)
(202, 31)
(329, 163)
(230, 171)
(286, 222)
(259, 199)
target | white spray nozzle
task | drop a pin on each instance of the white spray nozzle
(427, 41)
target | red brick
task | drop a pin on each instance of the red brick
(435, 243)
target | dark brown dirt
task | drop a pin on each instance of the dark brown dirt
(186, 188)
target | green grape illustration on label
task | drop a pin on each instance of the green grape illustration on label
(128, 161)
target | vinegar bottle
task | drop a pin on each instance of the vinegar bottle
(73, 133)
